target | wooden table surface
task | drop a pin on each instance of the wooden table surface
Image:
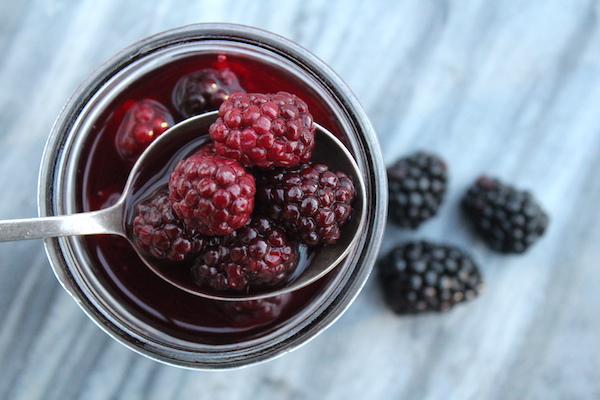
(506, 87)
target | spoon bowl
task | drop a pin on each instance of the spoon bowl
(162, 154)
(320, 260)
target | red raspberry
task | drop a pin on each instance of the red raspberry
(310, 201)
(204, 90)
(265, 130)
(212, 194)
(257, 255)
(157, 231)
(143, 122)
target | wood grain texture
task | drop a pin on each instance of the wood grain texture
(507, 87)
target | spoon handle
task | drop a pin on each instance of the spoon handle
(106, 221)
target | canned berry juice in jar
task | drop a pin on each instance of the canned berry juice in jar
(107, 122)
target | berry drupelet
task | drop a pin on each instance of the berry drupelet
(311, 201)
(212, 194)
(508, 219)
(257, 255)
(158, 231)
(264, 130)
(421, 276)
(417, 186)
(205, 90)
(143, 122)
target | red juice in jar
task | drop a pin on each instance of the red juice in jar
(104, 175)
(83, 170)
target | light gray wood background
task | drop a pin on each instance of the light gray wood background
(507, 87)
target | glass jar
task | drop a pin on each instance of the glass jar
(79, 172)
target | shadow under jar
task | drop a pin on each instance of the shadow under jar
(82, 171)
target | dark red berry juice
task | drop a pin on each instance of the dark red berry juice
(102, 178)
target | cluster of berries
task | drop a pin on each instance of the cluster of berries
(239, 207)
(195, 93)
(422, 276)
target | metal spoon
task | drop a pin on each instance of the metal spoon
(163, 150)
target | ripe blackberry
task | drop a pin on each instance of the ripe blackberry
(310, 201)
(143, 122)
(212, 194)
(265, 130)
(508, 219)
(254, 312)
(257, 255)
(157, 231)
(204, 90)
(417, 186)
(420, 276)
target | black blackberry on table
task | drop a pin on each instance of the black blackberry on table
(508, 219)
(417, 186)
(421, 276)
